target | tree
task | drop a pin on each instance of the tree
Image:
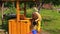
(54, 2)
(40, 3)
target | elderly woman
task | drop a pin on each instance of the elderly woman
(36, 21)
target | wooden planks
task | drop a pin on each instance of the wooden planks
(17, 0)
(22, 27)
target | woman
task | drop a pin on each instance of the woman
(36, 21)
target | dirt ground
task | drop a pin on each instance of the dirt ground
(44, 32)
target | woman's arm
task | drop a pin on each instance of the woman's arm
(39, 17)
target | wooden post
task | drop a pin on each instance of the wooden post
(13, 4)
(2, 13)
(0, 7)
(25, 9)
(18, 11)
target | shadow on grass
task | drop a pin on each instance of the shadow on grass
(0, 26)
(4, 26)
(57, 31)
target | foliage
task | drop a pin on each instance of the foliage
(55, 2)
(8, 4)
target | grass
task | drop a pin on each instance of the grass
(50, 20)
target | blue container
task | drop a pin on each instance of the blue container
(34, 31)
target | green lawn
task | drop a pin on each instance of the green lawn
(50, 20)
